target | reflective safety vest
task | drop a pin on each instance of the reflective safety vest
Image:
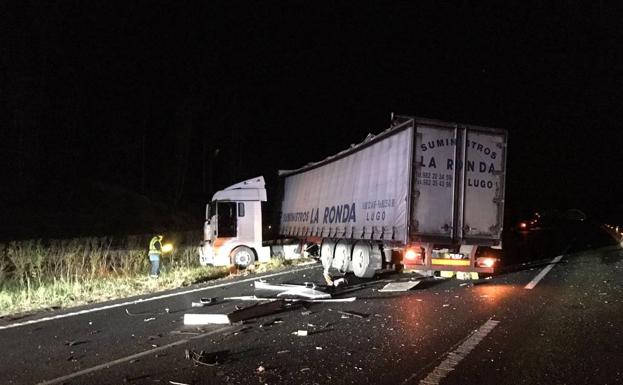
(155, 246)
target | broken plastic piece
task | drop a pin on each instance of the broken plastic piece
(300, 333)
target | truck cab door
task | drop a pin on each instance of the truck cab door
(227, 222)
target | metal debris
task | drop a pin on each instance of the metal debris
(254, 298)
(241, 314)
(308, 290)
(202, 358)
(352, 314)
(204, 302)
(399, 286)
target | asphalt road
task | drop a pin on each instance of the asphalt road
(553, 317)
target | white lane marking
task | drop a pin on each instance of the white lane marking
(453, 358)
(543, 272)
(129, 358)
(141, 300)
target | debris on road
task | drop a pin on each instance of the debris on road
(204, 302)
(204, 359)
(260, 369)
(271, 322)
(308, 290)
(300, 333)
(206, 319)
(242, 314)
(352, 314)
(184, 332)
(149, 319)
(75, 342)
(254, 298)
(177, 383)
(399, 286)
(328, 279)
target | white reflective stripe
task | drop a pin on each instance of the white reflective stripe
(543, 272)
(453, 358)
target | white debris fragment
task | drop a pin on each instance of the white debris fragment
(205, 319)
(300, 333)
(398, 286)
(149, 319)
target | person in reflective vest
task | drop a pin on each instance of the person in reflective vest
(155, 251)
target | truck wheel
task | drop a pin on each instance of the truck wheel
(342, 256)
(362, 266)
(326, 254)
(242, 256)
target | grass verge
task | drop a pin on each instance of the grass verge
(36, 275)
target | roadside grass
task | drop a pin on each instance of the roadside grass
(37, 275)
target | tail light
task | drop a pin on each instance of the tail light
(413, 255)
(486, 262)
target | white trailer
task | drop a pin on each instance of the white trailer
(424, 194)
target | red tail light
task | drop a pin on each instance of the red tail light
(412, 256)
(485, 262)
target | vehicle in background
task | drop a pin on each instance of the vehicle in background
(423, 194)
(552, 218)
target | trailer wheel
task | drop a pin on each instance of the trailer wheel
(361, 261)
(242, 256)
(342, 256)
(326, 253)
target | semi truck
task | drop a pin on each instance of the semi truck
(423, 194)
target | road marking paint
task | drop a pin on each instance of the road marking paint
(543, 272)
(163, 296)
(130, 358)
(453, 358)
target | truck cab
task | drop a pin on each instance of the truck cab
(233, 225)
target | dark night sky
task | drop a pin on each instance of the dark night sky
(113, 109)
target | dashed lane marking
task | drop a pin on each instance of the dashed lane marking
(543, 272)
(453, 358)
(130, 358)
(158, 297)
